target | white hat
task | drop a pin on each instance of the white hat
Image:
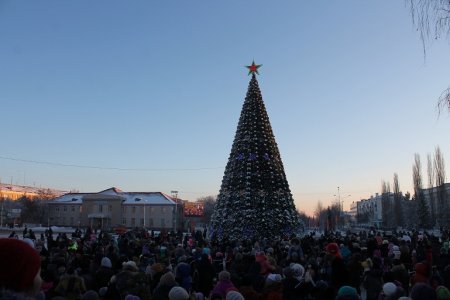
(178, 293)
(106, 262)
(233, 295)
(389, 288)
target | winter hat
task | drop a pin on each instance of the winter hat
(347, 292)
(90, 295)
(272, 278)
(389, 288)
(106, 262)
(298, 270)
(199, 296)
(423, 291)
(19, 263)
(129, 265)
(178, 293)
(167, 279)
(102, 291)
(234, 295)
(29, 241)
(442, 293)
(157, 268)
(224, 275)
(333, 249)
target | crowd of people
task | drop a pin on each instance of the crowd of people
(140, 265)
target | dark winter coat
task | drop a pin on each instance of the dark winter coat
(373, 283)
(204, 275)
(102, 277)
(162, 292)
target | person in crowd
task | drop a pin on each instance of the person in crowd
(166, 283)
(130, 281)
(224, 284)
(70, 285)
(204, 275)
(20, 269)
(104, 274)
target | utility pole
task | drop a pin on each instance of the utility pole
(175, 196)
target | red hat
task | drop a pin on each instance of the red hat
(19, 264)
(333, 249)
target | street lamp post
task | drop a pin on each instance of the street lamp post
(340, 203)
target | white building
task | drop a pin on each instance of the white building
(113, 207)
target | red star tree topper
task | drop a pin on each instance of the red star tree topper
(253, 68)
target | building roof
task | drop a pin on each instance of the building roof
(71, 198)
(148, 198)
(135, 198)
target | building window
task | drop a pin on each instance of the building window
(142, 221)
(133, 210)
(150, 222)
(100, 208)
(163, 222)
(71, 221)
(133, 222)
(152, 209)
(110, 208)
(163, 209)
(124, 221)
(63, 220)
(73, 208)
(81, 209)
(65, 208)
(124, 209)
(57, 208)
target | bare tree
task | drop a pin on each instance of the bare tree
(432, 20)
(398, 199)
(320, 214)
(431, 179)
(423, 212)
(386, 206)
(443, 207)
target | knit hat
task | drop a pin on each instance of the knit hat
(298, 270)
(178, 293)
(102, 291)
(389, 288)
(224, 275)
(422, 291)
(199, 296)
(233, 295)
(90, 295)
(157, 268)
(129, 265)
(272, 278)
(19, 263)
(442, 293)
(167, 279)
(333, 249)
(106, 262)
(347, 292)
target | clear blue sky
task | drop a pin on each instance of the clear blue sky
(160, 85)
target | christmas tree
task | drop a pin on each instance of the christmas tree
(254, 201)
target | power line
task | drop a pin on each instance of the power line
(104, 168)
